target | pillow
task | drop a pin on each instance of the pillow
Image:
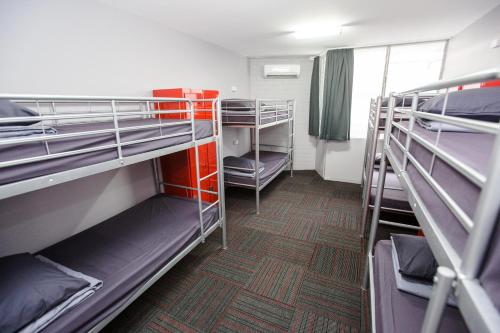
(417, 287)
(29, 288)
(9, 109)
(241, 162)
(415, 257)
(479, 104)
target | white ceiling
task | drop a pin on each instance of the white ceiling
(262, 27)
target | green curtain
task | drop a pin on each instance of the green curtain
(314, 100)
(337, 95)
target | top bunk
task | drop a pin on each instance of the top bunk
(379, 107)
(47, 140)
(256, 113)
(446, 154)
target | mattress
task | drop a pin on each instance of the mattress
(273, 162)
(398, 311)
(490, 270)
(12, 174)
(242, 112)
(394, 196)
(248, 117)
(124, 252)
(471, 148)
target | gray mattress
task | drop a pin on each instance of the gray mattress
(489, 276)
(32, 170)
(398, 311)
(471, 148)
(124, 252)
(248, 117)
(273, 162)
(394, 196)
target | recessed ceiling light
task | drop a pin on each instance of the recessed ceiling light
(317, 31)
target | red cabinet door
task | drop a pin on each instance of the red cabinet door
(180, 168)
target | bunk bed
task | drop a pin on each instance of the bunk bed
(450, 172)
(265, 165)
(394, 198)
(71, 137)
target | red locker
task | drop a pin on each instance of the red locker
(180, 168)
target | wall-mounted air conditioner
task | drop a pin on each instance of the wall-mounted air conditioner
(282, 70)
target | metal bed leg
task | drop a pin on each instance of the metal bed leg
(293, 138)
(257, 157)
(257, 201)
(224, 234)
(220, 175)
(442, 285)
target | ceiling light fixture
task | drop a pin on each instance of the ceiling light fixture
(317, 31)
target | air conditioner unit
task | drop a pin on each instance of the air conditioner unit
(281, 70)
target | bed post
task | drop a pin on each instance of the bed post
(257, 156)
(439, 297)
(380, 192)
(197, 169)
(292, 136)
(371, 150)
(220, 172)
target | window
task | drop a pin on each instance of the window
(413, 65)
(369, 64)
(409, 66)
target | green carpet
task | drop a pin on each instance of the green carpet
(296, 267)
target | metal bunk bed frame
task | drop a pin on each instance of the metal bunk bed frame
(372, 140)
(263, 112)
(149, 107)
(455, 272)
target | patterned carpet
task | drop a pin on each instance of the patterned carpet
(294, 268)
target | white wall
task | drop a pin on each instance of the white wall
(469, 51)
(86, 47)
(285, 88)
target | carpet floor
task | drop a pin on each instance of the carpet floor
(296, 267)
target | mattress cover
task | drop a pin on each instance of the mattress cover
(248, 118)
(123, 252)
(398, 311)
(273, 162)
(394, 196)
(203, 129)
(490, 270)
(471, 148)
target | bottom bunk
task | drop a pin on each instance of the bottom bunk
(394, 197)
(272, 164)
(397, 311)
(125, 252)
